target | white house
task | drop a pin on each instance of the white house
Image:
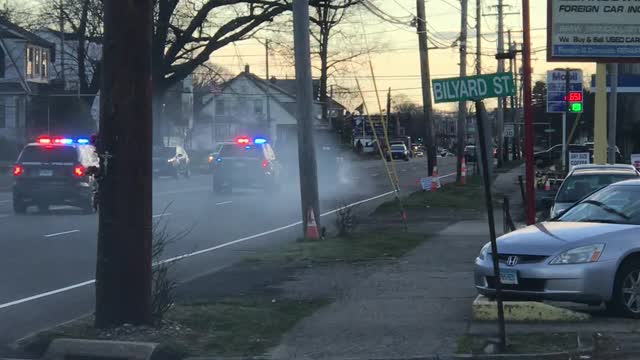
(240, 108)
(25, 65)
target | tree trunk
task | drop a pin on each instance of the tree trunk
(324, 75)
(123, 270)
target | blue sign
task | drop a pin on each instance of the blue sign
(557, 88)
(626, 83)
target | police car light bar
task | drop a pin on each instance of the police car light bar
(259, 141)
(45, 140)
(243, 140)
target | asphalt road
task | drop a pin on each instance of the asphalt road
(47, 261)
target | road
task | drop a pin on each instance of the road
(47, 261)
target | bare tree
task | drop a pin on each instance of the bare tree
(403, 104)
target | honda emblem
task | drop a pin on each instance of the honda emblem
(512, 261)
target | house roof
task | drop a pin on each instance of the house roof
(9, 30)
(71, 36)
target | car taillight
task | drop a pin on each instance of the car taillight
(265, 163)
(79, 171)
(17, 170)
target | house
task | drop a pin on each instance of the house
(249, 105)
(25, 65)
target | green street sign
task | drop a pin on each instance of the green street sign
(473, 87)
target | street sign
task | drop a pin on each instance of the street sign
(473, 87)
(592, 31)
(579, 159)
(509, 131)
(557, 91)
(635, 161)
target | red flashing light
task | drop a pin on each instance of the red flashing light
(17, 170)
(243, 140)
(79, 171)
(265, 163)
(44, 141)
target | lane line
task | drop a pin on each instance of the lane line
(172, 192)
(5, 201)
(174, 259)
(224, 203)
(62, 233)
(161, 215)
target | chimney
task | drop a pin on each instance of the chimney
(273, 80)
(246, 69)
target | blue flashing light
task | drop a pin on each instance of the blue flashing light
(259, 141)
(66, 141)
(82, 141)
(248, 147)
(219, 159)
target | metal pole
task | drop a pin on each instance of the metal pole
(484, 156)
(613, 112)
(528, 114)
(266, 61)
(429, 141)
(478, 37)
(512, 110)
(500, 112)
(600, 116)
(462, 105)
(304, 106)
(62, 60)
(567, 90)
(330, 106)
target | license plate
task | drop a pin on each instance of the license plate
(46, 172)
(509, 277)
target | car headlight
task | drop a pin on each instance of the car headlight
(581, 255)
(171, 160)
(484, 251)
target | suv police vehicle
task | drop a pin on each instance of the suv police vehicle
(246, 163)
(54, 171)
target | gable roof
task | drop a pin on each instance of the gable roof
(9, 30)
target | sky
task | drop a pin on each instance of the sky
(398, 66)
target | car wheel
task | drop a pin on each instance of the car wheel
(19, 206)
(626, 290)
(406, 159)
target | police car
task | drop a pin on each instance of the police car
(55, 171)
(246, 163)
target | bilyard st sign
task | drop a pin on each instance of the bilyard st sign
(593, 31)
(472, 87)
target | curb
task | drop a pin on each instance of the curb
(484, 309)
(564, 355)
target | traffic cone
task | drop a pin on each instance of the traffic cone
(463, 172)
(434, 179)
(312, 227)
(547, 185)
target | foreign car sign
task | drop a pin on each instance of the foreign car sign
(473, 87)
(588, 30)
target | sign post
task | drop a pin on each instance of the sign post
(477, 88)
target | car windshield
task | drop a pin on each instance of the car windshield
(618, 204)
(49, 154)
(576, 187)
(397, 147)
(245, 151)
(167, 152)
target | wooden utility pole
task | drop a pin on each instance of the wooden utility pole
(429, 141)
(268, 79)
(462, 105)
(478, 37)
(530, 203)
(500, 112)
(62, 59)
(123, 270)
(304, 105)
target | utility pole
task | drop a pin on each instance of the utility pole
(462, 105)
(613, 113)
(266, 61)
(478, 37)
(304, 104)
(512, 110)
(123, 268)
(530, 203)
(429, 141)
(500, 113)
(61, 25)
(330, 108)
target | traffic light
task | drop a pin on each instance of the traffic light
(574, 103)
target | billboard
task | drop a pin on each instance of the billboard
(593, 31)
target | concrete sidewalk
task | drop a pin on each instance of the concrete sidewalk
(415, 308)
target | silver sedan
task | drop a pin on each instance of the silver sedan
(591, 254)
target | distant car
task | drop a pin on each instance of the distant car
(55, 171)
(246, 164)
(470, 155)
(590, 146)
(214, 154)
(590, 254)
(553, 155)
(171, 161)
(584, 179)
(398, 152)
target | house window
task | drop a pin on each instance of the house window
(30, 62)
(44, 67)
(36, 68)
(2, 65)
(257, 106)
(220, 107)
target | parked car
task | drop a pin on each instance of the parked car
(590, 254)
(398, 152)
(584, 179)
(171, 161)
(590, 146)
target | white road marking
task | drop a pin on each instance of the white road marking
(5, 201)
(174, 259)
(161, 215)
(62, 233)
(182, 191)
(224, 203)
(446, 176)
